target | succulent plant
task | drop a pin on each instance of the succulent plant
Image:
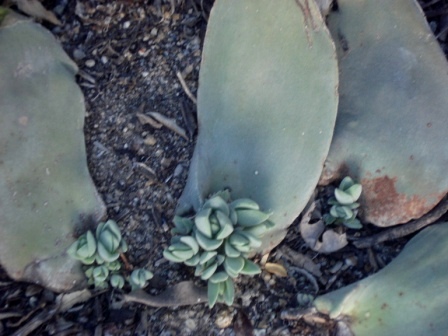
(217, 241)
(110, 243)
(344, 207)
(139, 278)
(84, 249)
(267, 103)
(101, 253)
(117, 281)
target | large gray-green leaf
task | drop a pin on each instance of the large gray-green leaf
(45, 188)
(407, 297)
(390, 132)
(267, 104)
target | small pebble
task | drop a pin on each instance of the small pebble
(104, 59)
(90, 63)
(78, 54)
(126, 25)
(190, 324)
(224, 319)
(154, 31)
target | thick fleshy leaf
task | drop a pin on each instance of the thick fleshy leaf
(250, 268)
(354, 191)
(346, 183)
(244, 204)
(251, 217)
(219, 277)
(392, 72)
(184, 255)
(206, 243)
(267, 104)
(191, 242)
(183, 225)
(46, 193)
(206, 256)
(407, 297)
(171, 257)
(234, 264)
(343, 197)
(193, 261)
(229, 292)
(217, 203)
(213, 290)
(254, 242)
(202, 222)
(107, 255)
(209, 271)
(236, 239)
(230, 250)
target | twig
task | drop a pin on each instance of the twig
(404, 229)
(185, 87)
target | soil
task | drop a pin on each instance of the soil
(129, 53)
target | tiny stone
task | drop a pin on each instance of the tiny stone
(224, 319)
(126, 25)
(150, 141)
(145, 74)
(190, 324)
(178, 170)
(78, 54)
(154, 31)
(104, 59)
(90, 63)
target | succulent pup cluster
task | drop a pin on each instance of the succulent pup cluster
(217, 241)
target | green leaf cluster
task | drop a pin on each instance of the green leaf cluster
(101, 253)
(217, 241)
(344, 206)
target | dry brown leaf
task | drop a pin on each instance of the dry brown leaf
(35, 9)
(319, 239)
(264, 259)
(145, 120)
(67, 301)
(170, 124)
(276, 269)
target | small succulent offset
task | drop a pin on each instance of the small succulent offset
(217, 241)
(344, 206)
(101, 253)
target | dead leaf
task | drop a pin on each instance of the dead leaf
(145, 120)
(169, 123)
(319, 239)
(183, 294)
(300, 260)
(276, 269)
(264, 259)
(35, 9)
(67, 301)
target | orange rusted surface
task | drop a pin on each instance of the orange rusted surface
(383, 205)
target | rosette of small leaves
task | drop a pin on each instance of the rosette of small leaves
(109, 241)
(97, 275)
(217, 241)
(102, 252)
(84, 249)
(344, 207)
(139, 278)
